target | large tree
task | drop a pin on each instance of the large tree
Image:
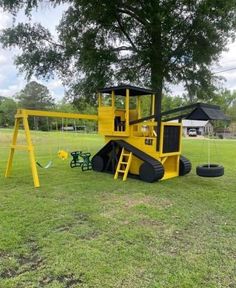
(7, 111)
(36, 96)
(148, 42)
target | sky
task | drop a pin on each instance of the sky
(11, 81)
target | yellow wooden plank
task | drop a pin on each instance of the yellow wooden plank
(31, 153)
(12, 150)
(21, 147)
(127, 166)
(39, 113)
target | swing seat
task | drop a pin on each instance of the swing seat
(62, 154)
(48, 165)
(76, 161)
(210, 170)
(81, 159)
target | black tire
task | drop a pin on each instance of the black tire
(210, 170)
(185, 166)
(150, 173)
(98, 163)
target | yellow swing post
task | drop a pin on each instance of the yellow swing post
(29, 147)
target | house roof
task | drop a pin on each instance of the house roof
(133, 90)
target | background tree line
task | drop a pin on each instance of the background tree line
(38, 96)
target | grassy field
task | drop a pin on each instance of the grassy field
(83, 229)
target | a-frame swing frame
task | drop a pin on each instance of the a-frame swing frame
(22, 117)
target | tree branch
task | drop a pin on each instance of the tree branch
(55, 44)
(125, 33)
(132, 14)
(122, 48)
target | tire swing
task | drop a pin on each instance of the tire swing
(209, 169)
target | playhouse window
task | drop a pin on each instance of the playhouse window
(106, 100)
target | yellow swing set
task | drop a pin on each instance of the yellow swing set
(22, 116)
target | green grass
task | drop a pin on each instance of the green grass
(83, 229)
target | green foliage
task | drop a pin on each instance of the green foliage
(144, 42)
(225, 99)
(7, 112)
(79, 106)
(170, 102)
(232, 111)
(36, 96)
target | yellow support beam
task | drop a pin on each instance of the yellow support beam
(39, 113)
(127, 111)
(20, 147)
(31, 153)
(12, 149)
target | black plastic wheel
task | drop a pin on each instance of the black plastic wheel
(185, 166)
(98, 163)
(210, 170)
(150, 173)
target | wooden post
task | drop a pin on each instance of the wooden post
(127, 111)
(29, 147)
(12, 149)
(31, 152)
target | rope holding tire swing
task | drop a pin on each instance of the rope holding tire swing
(209, 169)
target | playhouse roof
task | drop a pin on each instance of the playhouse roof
(207, 112)
(133, 90)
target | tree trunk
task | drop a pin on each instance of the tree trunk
(157, 76)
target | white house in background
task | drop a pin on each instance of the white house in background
(202, 127)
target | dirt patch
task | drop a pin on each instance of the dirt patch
(9, 273)
(78, 219)
(25, 263)
(65, 228)
(150, 223)
(89, 235)
(128, 201)
(4, 255)
(68, 280)
(132, 202)
(115, 204)
(81, 217)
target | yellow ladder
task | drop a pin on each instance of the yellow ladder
(123, 164)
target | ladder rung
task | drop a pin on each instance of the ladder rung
(126, 164)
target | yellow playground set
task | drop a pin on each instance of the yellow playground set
(148, 148)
